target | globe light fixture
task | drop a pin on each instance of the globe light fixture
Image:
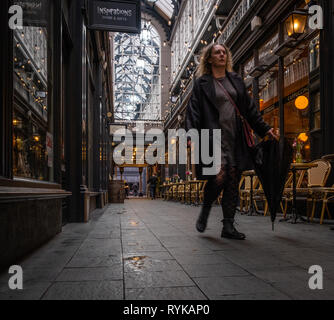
(301, 103)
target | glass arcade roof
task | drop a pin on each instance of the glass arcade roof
(166, 6)
(137, 94)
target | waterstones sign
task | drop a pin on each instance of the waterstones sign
(115, 16)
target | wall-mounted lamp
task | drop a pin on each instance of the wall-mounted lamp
(220, 20)
(295, 23)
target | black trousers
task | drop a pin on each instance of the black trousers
(152, 191)
(227, 180)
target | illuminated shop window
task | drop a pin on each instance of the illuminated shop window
(32, 112)
(296, 101)
(314, 53)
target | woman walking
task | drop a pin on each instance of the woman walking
(217, 94)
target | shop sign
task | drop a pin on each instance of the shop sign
(270, 108)
(115, 16)
(34, 12)
(290, 97)
(296, 94)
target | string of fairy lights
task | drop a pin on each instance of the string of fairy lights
(30, 75)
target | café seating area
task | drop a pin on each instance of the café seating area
(310, 186)
(188, 192)
(311, 189)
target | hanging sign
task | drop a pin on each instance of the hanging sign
(115, 16)
(35, 12)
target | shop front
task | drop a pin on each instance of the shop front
(55, 146)
(285, 73)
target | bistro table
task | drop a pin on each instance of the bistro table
(294, 168)
(251, 211)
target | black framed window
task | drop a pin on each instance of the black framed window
(33, 116)
(316, 115)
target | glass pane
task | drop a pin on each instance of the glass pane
(296, 101)
(248, 67)
(316, 121)
(271, 116)
(268, 93)
(266, 56)
(297, 123)
(137, 75)
(32, 115)
(314, 53)
(296, 69)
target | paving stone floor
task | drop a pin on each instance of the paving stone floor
(150, 250)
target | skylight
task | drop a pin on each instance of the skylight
(166, 6)
(137, 75)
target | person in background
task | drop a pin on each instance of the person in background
(126, 188)
(135, 190)
(153, 185)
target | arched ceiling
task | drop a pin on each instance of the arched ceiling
(163, 7)
(164, 10)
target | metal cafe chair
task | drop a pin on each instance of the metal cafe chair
(187, 193)
(201, 190)
(317, 178)
(324, 195)
(314, 189)
(245, 188)
(169, 194)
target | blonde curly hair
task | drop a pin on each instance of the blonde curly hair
(205, 66)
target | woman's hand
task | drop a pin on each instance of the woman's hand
(271, 134)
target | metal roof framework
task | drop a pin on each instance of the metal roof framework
(137, 94)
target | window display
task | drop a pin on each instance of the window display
(296, 102)
(316, 120)
(32, 113)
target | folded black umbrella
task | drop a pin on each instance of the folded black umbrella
(272, 161)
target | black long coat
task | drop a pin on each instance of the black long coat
(202, 113)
